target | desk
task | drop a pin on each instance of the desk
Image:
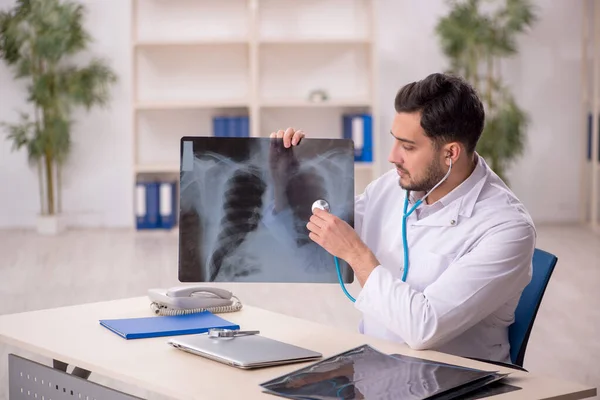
(73, 335)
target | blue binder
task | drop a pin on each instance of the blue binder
(141, 213)
(148, 327)
(238, 126)
(220, 126)
(590, 138)
(233, 127)
(147, 205)
(244, 126)
(363, 153)
(168, 204)
(152, 199)
(367, 155)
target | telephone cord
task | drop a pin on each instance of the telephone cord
(160, 309)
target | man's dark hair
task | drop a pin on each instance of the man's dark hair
(450, 109)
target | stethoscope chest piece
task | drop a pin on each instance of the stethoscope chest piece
(321, 204)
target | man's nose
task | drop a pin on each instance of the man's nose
(395, 159)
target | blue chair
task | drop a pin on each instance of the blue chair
(531, 298)
(526, 311)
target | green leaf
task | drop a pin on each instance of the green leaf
(88, 86)
(24, 134)
(518, 15)
(503, 139)
(9, 41)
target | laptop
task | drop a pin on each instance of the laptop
(246, 352)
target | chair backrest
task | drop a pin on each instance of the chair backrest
(531, 298)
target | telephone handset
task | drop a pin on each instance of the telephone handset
(191, 299)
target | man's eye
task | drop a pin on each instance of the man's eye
(408, 148)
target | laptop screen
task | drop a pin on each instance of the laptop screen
(245, 204)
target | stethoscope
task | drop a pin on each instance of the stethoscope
(223, 333)
(324, 205)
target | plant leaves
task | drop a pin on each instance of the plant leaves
(87, 86)
(473, 38)
(38, 39)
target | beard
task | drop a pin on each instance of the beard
(435, 172)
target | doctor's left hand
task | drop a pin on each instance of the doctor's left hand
(342, 241)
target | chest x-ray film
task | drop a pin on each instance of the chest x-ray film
(245, 204)
(365, 373)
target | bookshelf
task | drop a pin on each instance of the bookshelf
(196, 59)
(590, 107)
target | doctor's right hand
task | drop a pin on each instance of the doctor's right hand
(283, 163)
(290, 136)
(282, 159)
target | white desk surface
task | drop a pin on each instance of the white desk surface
(74, 335)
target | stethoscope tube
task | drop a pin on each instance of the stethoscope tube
(339, 274)
(405, 214)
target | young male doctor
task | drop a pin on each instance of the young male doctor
(470, 241)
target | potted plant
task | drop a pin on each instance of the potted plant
(37, 40)
(475, 35)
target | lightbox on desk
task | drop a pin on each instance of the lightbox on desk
(245, 203)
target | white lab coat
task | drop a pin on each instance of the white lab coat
(469, 259)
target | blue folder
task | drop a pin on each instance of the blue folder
(172, 325)
(168, 204)
(364, 154)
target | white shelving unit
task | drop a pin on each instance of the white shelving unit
(194, 59)
(590, 73)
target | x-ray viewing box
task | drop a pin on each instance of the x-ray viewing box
(245, 204)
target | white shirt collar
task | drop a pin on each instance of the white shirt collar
(478, 174)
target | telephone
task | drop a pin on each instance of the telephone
(192, 299)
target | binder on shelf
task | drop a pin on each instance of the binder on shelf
(152, 204)
(367, 155)
(147, 205)
(141, 214)
(228, 126)
(167, 204)
(170, 325)
(232, 127)
(244, 126)
(590, 139)
(220, 128)
(359, 128)
(156, 205)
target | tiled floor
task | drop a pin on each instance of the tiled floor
(94, 265)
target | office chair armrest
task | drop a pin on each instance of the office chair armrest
(502, 364)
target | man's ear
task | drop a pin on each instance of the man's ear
(452, 151)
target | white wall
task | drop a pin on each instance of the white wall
(545, 78)
(408, 51)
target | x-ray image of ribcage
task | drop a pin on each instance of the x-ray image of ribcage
(242, 212)
(304, 187)
(245, 204)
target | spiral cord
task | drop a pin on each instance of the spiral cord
(160, 309)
